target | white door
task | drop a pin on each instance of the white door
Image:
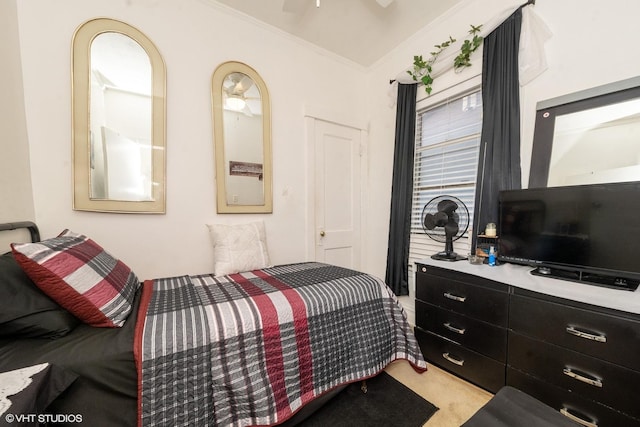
(338, 196)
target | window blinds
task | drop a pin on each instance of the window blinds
(446, 162)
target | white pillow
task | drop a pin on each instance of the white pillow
(238, 248)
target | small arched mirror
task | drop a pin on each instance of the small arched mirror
(118, 120)
(242, 139)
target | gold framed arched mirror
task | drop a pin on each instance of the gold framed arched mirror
(242, 139)
(119, 116)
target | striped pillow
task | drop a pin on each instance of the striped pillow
(78, 274)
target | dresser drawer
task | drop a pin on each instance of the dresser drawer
(471, 300)
(482, 337)
(603, 382)
(473, 367)
(565, 401)
(612, 338)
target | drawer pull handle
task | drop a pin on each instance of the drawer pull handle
(587, 335)
(454, 297)
(453, 359)
(585, 378)
(567, 413)
(460, 331)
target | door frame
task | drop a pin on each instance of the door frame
(311, 116)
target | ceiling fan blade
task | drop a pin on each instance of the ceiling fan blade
(237, 84)
(244, 84)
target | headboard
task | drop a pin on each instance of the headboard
(11, 232)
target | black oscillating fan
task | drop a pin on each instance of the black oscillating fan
(445, 219)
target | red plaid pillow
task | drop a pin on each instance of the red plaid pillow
(78, 274)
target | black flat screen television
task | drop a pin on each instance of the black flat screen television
(584, 233)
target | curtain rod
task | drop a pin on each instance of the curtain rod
(532, 2)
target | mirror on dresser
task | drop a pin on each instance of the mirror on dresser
(588, 137)
(242, 139)
(118, 119)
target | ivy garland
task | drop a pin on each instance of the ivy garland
(422, 69)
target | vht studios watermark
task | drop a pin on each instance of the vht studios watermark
(42, 418)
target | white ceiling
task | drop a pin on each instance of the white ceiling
(360, 30)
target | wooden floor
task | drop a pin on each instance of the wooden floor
(456, 399)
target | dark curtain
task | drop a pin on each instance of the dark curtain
(397, 276)
(499, 160)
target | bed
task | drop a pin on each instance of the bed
(255, 347)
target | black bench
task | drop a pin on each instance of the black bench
(511, 407)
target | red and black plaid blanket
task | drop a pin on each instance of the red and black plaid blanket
(252, 348)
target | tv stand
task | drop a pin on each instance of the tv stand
(588, 278)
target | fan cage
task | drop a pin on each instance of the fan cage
(437, 226)
(462, 213)
(465, 195)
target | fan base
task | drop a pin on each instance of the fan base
(448, 256)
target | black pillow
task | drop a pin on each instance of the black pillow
(25, 311)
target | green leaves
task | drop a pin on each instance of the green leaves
(468, 47)
(419, 62)
(426, 81)
(422, 68)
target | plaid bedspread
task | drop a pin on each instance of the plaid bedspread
(252, 348)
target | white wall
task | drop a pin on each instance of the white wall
(194, 37)
(591, 45)
(16, 201)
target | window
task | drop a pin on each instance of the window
(446, 162)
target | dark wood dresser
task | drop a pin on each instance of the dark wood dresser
(461, 324)
(579, 358)
(490, 328)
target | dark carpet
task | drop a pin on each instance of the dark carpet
(386, 403)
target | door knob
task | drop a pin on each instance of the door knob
(322, 233)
